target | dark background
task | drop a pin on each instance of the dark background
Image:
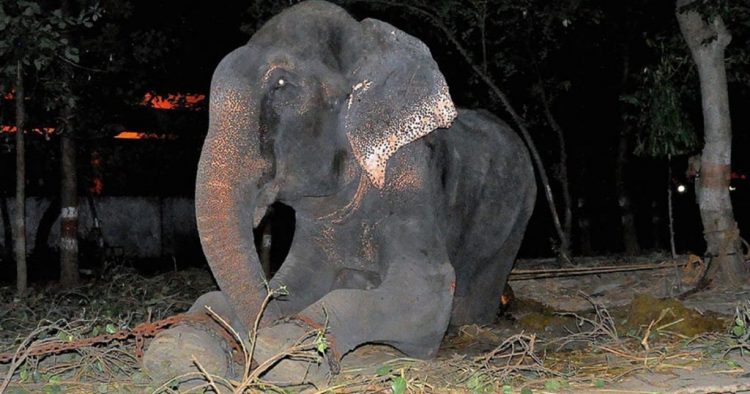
(194, 36)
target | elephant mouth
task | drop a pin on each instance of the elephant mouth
(273, 237)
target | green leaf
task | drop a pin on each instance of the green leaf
(384, 370)
(52, 389)
(552, 385)
(110, 328)
(24, 374)
(321, 344)
(64, 336)
(95, 332)
(599, 383)
(507, 389)
(526, 390)
(476, 383)
(398, 385)
(738, 331)
(733, 364)
(72, 54)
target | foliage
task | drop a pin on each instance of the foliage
(38, 37)
(668, 87)
(665, 129)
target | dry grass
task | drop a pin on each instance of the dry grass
(590, 358)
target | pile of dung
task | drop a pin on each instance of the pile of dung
(536, 317)
(646, 308)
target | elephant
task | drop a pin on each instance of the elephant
(408, 212)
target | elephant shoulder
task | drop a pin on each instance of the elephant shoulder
(479, 132)
(483, 126)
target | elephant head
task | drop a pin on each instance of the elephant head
(314, 101)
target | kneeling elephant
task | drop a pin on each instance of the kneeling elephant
(408, 212)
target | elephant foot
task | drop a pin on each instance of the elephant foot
(282, 360)
(173, 354)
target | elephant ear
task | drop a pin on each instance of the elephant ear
(399, 95)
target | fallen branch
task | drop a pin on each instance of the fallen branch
(517, 275)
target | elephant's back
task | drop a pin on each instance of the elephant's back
(487, 182)
(481, 151)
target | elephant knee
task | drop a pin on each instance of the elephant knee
(217, 301)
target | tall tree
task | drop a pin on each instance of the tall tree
(68, 177)
(707, 37)
(34, 38)
(20, 214)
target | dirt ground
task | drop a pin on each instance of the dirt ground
(622, 332)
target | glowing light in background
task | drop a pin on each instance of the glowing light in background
(178, 101)
(137, 135)
(37, 130)
(681, 189)
(732, 188)
(174, 101)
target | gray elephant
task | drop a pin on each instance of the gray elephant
(408, 213)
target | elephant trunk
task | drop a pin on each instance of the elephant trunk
(226, 197)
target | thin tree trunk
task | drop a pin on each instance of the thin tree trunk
(707, 41)
(20, 219)
(584, 228)
(7, 229)
(567, 225)
(68, 185)
(670, 210)
(69, 210)
(627, 219)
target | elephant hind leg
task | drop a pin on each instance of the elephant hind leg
(482, 300)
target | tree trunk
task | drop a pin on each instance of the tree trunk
(7, 229)
(707, 41)
(584, 228)
(562, 174)
(670, 210)
(68, 183)
(627, 219)
(20, 219)
(69, 210)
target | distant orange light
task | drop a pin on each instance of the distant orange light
(137, 135)
(10, 95)
(36, 130)
(96, 186)
(174, 101)
(129, 135)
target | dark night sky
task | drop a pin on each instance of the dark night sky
(588, 112)
(209, 29)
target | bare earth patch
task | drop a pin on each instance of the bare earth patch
(609, 333)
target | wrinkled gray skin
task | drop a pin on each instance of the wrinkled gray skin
(392, 259)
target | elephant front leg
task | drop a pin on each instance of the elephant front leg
(409, 310)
